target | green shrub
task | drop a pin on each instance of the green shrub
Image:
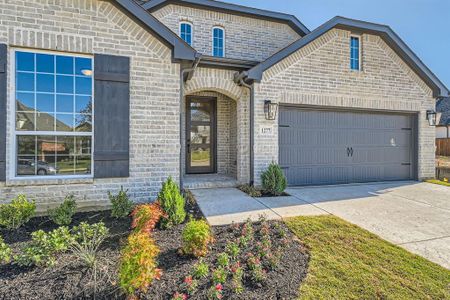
(62, 215)
(219, 275)
(5, 252)
(172, 203)
(273, 180)
(121, 204)
(86, 241)
(138, 267)
(196, 238)
(233, 249)
(223, 260)
(17, 213)
(43, 247)
(201, 270)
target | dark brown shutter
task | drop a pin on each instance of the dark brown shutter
(3, 96)
(111, 116)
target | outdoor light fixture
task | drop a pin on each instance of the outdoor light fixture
(433, 117)
(270, 110)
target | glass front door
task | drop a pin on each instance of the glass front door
(200, 135)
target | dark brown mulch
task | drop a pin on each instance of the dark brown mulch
(70, 280)
(282, 283)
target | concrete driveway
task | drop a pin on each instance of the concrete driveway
(413, 215)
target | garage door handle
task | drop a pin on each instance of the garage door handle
(351, 151)
(348, 152)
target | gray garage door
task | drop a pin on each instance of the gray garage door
(331, 147)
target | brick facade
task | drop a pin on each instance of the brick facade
(319, 74)
(90, 27)
(245, 38)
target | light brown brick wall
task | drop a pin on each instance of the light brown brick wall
(245, 37)
(88, 27)
(319, 74)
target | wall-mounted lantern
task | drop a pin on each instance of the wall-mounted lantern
(433, 117)
(270, 110)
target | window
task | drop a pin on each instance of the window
(355, 53)
(186, 32)
(218, 42)
(53, 114)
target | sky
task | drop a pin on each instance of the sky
(424, 25)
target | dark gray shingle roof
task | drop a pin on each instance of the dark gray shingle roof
(443, 106)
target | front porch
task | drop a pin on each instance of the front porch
(215, 134)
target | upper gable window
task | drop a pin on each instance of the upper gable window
(186, 32)
(218, 42)
(355, 51)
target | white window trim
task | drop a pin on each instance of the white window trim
(359, 51)
(12, 166)
(212, 40)
(192, 31)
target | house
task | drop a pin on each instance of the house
(443, 128)
(207, 92)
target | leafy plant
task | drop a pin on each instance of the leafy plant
(196, 238)
(146, 216)
(215, 292)
(172, 203)
(190, 285)
(237, 273)
(179, 296)
(223, 260)
(250, 190)
(121, 204)
(219, 275)
(62, 215)
(5, 252)
(273, 180)
(201, 270)
(258, 274)
(86, 241)
(232, 249)
(17, 213)
(44, 246)
(247, 233)
(138, 267)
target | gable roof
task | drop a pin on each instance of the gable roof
(385, 32)
(291, 20)
(443, 106)
(181, 50)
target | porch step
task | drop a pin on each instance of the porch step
(209, 181)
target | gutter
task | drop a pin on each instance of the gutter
(240, 78)
(189, 72)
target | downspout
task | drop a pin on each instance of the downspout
(183, 73)
(239, 78)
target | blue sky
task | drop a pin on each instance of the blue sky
(423, 24)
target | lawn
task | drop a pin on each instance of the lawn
(440, 182)
(348, 262)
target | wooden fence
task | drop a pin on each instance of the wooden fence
(443, 147)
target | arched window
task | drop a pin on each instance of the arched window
(218, 42)
(186, 32)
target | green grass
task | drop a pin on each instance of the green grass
(440, 182)
(348, 262)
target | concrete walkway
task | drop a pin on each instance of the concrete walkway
(413, 215)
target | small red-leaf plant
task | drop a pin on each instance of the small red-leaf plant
(146, 217)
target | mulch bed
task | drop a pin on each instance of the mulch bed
(70, 280)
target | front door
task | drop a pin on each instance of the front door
(200, 135)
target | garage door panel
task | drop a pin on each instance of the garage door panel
(313, 146)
